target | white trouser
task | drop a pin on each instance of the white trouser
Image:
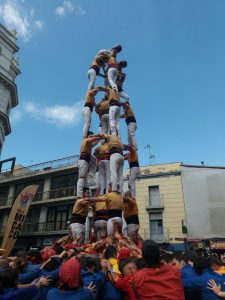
(97, 180)
(104, 176)
(78, 232)
(82, 177)
(124, 96)
(110, 224)
(100, 228)
(131, 128)
(105, 124)
(116, 168)
(87, 120)
(134, 171)
(92, 78)
(132, 230)
(114, 120)
(112, 76)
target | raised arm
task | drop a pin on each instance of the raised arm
(93, 139)
(125, 156)
(129, 200)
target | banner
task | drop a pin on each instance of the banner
(17, 217)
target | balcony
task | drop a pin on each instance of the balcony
(43, 167)
(156, 204)
(62, 193)
(44, 227)
(51, 195)
(41, 228)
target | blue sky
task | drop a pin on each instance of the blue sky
(175, 75)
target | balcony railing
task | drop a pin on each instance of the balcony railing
(45, 227)
(54, 164)
(48, 195)
(41, 227)
(157, 203)
(61, 193)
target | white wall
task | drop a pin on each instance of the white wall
(204, 198)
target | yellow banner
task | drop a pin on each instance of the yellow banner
(17, 217)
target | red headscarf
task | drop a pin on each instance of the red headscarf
(69, 275)
(124, 254)
(47, 252)
(70, 246)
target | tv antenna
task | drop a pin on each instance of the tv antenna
(151, 156)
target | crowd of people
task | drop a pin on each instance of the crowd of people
(110, 269)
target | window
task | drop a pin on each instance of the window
(1, 224)
(63, 181)
(156, 226)
(32, 220)
(4, 192)
(57, 217)
(63, 186)
(154, 196)
(33, 215)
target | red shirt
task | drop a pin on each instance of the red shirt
(124, 284)
(158, 284)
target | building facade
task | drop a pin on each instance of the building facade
(160, 199)
(204, 199)
(182, 205)
(179, 205)
(8, 72)
(52, 205)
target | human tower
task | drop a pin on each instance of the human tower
(109, 204)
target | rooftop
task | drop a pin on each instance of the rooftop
(49, 166)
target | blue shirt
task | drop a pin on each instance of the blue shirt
(98, 279)
(25, 278)
(43, 291)
(199, 283)
(19, 293)
(30, 267)
(188, 272)
(74, 294)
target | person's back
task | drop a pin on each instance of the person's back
(163, 282)
(188, 272)
(50, 270)
(91, 273)
(155, 281)
(201, 283)
(76, 294)
(69, 283)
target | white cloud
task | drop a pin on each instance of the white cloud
(60, 115)
(68, 7)
(39, 24)
(14, 16)
(30, 107)
(60, 11)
